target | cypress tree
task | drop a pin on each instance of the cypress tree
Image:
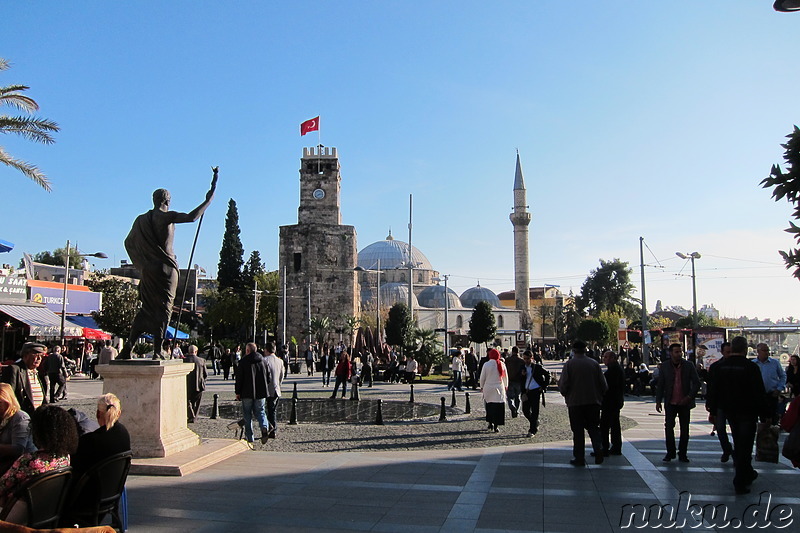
(229, 270)
(482, 327)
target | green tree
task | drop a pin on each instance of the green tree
(229, 270)
(251, 270)
(570, 317)
(703, 321)
(594, 330)
(607, 288)
(427, 349)
(227, 313)
(30, 127)
(482, 326)
(351, 323)
(787, 185)
(399, 328)
(269, 284)
(319, 327)
(120, 301)
(56, 258)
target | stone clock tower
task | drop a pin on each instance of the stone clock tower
(318, 254)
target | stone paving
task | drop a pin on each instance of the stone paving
(527, 487)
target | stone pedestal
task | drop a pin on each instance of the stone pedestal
(153, 397)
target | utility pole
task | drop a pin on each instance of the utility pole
(645, 329)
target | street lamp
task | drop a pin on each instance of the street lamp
(692, 256)
(101, 255)
(377, 298)
(786, 6)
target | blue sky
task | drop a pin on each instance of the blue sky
(653, 119)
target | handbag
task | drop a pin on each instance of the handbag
(767, 442)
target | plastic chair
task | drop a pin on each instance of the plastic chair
(97, 493)
(44, 496)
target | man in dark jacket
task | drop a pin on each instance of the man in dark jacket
(677, 386)
(56, 375)
(195, 382)
(535, 380)
(24, 377)
(514, 365)
(613, 400)
(252, 388)
(736, 388)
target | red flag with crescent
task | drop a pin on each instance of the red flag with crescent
(309, 125)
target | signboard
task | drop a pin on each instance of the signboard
(78, 302)
(13, 289)
(522, 339)
(712, 340)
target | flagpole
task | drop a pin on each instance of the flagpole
(319, 146)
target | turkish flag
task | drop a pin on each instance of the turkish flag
(309, 125)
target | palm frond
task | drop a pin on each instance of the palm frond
(29, 170)
(33, 128)
(11, 96)
(4, 64)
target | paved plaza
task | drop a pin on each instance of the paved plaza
(529, 487)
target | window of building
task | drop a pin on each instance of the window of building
(500, 321)
(298, 261)
(459, 322)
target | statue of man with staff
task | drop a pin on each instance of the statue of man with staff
(149, 245)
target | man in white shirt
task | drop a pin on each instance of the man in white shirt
(276, 373)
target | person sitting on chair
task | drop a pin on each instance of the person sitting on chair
(55, 434)
(15, 429)
(109, 439)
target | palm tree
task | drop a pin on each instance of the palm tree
(428, 349)
(32, 128)
(319, 327)
(351, 323)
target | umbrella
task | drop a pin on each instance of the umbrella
(359, 344)
(6, 246)
(369, 341)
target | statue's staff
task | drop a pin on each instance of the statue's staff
(191, 258)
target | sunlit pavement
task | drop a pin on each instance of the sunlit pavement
(515, 488)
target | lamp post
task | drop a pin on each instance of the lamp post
(100, 255)
(786, 6)
(692, 256)
(378, 295)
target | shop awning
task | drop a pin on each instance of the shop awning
(170, 334)
(42, 321)
(6, 246)
(91, 330)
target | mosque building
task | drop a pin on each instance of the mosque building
(324, 276)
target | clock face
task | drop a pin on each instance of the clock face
(318, 194)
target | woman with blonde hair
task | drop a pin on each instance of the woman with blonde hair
(109, 439)
(15, 429)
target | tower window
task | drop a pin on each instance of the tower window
(298, 261)
(500, 321)
(459, 322)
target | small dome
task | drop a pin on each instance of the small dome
(434, 296)
(391, 293)
(471, 297)
(392, 254)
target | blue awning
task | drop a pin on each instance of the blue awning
(41, 320)
(170, 334)
(6, 246)
(83, 321)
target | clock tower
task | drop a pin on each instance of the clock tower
(317, 255)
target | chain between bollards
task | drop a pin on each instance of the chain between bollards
(442, 415)
(293, 416)
(467, 408)
(215, 408)
(379, 416)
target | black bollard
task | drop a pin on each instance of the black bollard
(293, 415)
(453, 400)
(215, 408)
(379, 416)
(442, 415)
(411, 400)
(294, 393)
(466, 408)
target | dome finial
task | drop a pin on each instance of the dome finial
(389, 237)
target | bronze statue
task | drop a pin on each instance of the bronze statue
(149, 245)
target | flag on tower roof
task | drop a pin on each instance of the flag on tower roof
(309, 125)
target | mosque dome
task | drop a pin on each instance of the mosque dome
(471, 297)
(391, 293)
(392, 254)
(434, 297)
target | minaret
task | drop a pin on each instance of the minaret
(520, 218)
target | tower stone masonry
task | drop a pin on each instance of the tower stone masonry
(318, 254)
(520, 219)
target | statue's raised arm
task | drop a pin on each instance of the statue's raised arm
(198, 211)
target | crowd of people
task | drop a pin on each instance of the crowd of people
(37, 436)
